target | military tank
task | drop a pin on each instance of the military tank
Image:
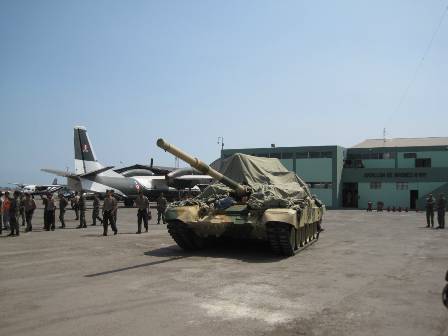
(253, 198)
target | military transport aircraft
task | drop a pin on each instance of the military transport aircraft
(35, 189)
(92, 176)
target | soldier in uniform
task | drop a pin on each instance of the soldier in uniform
(44, 202)
(75, 205)
(441, 207)
(143, 213)
(82, 211)
(5, 210)
(14, 215)
(62, 205)
(162, 204)
(429, 211)
(96, 210)
(30, 206)
(1, 212)
(115, 212)
(109, 208)
(50, 209)
(22, 208)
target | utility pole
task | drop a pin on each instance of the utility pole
(221, 142)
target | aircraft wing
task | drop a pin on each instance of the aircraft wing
(20, 185)
(96, 172)
(59, 172)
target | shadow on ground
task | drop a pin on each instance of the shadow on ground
(247, 251)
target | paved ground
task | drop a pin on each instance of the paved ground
(369, 274)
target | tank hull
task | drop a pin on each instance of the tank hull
(286, 230)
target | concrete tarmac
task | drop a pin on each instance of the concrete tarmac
(368, 274)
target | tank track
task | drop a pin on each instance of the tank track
(184, 236)
(286, 241)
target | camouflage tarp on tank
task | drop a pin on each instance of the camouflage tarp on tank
(271, 183)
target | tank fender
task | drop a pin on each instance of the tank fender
(183, 213)
(281, 215)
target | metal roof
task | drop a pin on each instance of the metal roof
(403, 142)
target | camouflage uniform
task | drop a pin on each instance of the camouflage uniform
(1, 213)
(142, 203)
(75, 205)
(82, 212)
(14, 216)
(429, 211)
(62, 205)
(96, 210)
(109, 207)
(162, 204)
(441, 207)
(50, 209)
(22, 209)
(30, 206)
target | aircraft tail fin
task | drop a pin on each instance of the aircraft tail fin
(85, 159)
(55, 181)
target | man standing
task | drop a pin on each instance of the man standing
(5, 210)
(30, 206)
(22, 208)
(45, 202)
(50, 208)
(14, 215)
(62, 205)
(441, 206)
(75, 205)
(1, 212)
(162, 204)
(82, 211)
(142, 203)
(96, 210)
(109, 208)
(115, 212)
(430, 211)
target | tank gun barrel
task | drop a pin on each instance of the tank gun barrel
(201, 166)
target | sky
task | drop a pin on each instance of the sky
(292, 73)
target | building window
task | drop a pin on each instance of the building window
(302, 155)
(375, 185)
(275, 155)
(372, 156)
(402, 186)
(320, 185)
(422, 163)
(410, 155)
(287, 155)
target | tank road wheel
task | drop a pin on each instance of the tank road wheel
(184, 236)
(306, 234)
(314, 230)
(301, 236)
(282, 237)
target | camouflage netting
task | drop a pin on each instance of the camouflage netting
(273, 186)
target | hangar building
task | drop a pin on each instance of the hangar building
(397, 172)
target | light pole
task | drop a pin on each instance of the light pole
(221, 142)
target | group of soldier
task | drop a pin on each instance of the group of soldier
(22, 206)
(440, 206)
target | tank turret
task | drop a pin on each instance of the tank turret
(203, 167)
